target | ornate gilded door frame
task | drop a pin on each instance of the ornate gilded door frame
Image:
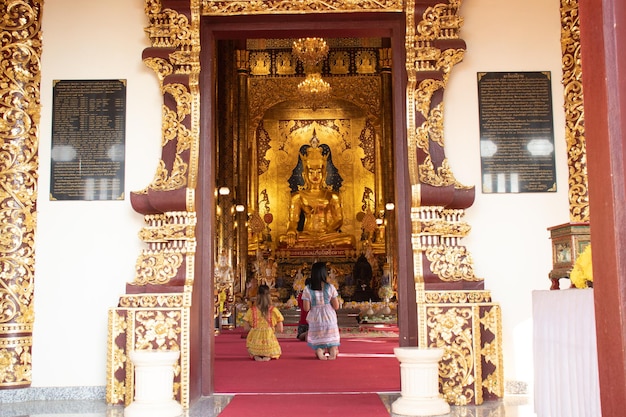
(437, 200)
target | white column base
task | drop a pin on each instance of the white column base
(154, 384)
(419, 382)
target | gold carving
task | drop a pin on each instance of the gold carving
(451, 263)
(424, 93)
(161, 67)
(117, 327)
(157, 268)
(574, 112)
(339, 62)
(265, 92)
(243, 60)
(171, 237)
(20, 79)
(448, 59)
(15, 361)
(451, 329)
(158, 330)
(247, 7)
(260, 63)
(168, 232)
(153, 300)
(440, 22)
(146, 328)
(168, 28)
(385, 60)
(285, 64)
(165, 181)
(445, 228)
(470, 334)
(365, 62)
(435, 234)
(457, 297)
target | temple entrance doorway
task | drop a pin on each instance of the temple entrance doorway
(256, 128)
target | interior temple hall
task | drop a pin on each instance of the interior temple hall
(400, 196)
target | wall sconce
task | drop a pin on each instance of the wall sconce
(390, 206)
(240, 208)
(379, 221)
(223, 191)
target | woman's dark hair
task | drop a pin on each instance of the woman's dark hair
(263, 299)
(318, 275)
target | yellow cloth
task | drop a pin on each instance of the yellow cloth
(261, 340)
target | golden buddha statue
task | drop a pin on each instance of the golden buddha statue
(315, 210)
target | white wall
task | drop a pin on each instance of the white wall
(86, 251)
(509, 240)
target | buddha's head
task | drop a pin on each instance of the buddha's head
(314, 163)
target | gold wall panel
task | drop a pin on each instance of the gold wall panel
(470, 333)
(154, 328)
(574, 112)
(20, 78)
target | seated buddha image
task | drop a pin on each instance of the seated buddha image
(315, 208)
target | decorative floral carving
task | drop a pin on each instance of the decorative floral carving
(158, 330)
(20, 49)
(574, 112)
(157, 268)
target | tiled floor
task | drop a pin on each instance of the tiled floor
(512, 406)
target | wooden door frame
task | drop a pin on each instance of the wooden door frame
(386, 25)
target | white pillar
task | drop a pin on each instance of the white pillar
(419, 382)
(154, 384)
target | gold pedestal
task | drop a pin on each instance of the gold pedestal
(468, 327)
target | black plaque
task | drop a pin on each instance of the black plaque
(516, 132)
(88, 140)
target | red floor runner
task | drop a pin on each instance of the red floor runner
(311, 405)
(364, 366)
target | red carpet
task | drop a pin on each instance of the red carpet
(364, 365)
(311, 405)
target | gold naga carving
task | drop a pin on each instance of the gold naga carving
(20, 78)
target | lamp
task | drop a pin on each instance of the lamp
(390, 206)
(240, 208)
(311, 51)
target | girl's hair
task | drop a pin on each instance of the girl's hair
(263, 299)
(318, 275)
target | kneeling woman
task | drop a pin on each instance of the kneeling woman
(319, 298)
(261, 320)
